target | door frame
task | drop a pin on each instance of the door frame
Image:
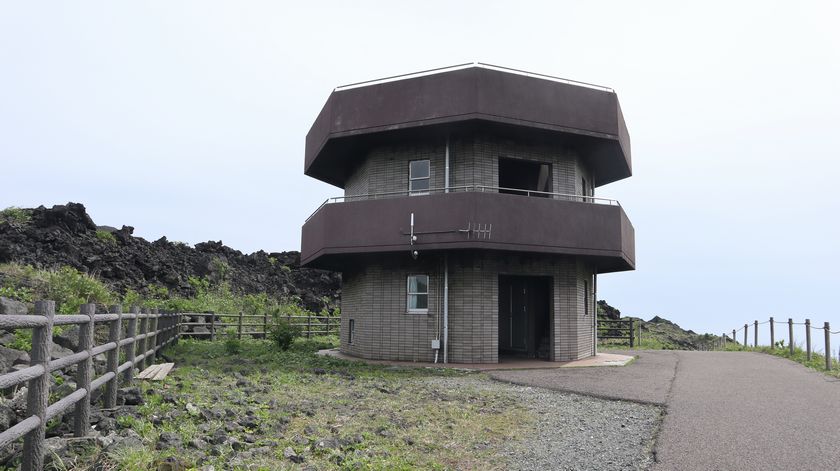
(533, 338)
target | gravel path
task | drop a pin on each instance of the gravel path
(725, 410)
(574, 432)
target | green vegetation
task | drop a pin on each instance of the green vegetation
(283, 333)
(817, 361)
(333, 414)
(15, 216)
(106, 236)
(68, 287)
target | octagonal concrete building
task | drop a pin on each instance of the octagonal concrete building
(469, 230)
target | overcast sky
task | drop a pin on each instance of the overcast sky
(187, 119)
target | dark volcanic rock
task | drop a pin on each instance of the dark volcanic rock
(66, 235)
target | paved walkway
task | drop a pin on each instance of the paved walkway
(601, 359)
(724, 410)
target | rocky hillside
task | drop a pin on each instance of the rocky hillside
(658, 333)
(65, 235)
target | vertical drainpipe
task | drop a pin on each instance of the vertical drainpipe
(595, 312)
(446, 271)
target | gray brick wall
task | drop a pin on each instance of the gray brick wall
(473, 160)
(375, 297)
(385, 169)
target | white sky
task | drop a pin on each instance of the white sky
(187, 119)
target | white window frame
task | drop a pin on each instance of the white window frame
(409, 294)
(412, 179)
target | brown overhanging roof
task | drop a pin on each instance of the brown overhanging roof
(447, 100)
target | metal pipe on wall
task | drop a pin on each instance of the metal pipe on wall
(446, 271)
(445, 308)
(446, 168)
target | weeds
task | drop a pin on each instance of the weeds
(15, 216)
(106, 236)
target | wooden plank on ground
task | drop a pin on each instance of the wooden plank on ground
(148, 371)
(164, 370)
(156, 372)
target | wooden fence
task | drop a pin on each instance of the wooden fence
(247, 324)
(146, 333)
(791, 339)
(138, 335)
(616, 329)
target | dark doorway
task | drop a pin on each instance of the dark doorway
(523, 177)
(524, 316)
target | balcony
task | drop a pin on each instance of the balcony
(470, 217)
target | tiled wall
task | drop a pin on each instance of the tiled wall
(375, 297)
(473, 160)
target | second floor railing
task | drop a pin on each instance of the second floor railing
(467, 188)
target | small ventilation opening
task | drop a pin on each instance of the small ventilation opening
(524, 177)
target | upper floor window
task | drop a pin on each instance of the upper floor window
(524, 177)
(419, 174)
(418, 293)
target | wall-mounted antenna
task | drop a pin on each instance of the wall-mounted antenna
(478, 231)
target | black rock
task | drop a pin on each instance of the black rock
(130, 396)
(168, 440)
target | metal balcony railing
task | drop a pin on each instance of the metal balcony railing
(467, 188)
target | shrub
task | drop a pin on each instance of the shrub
(233, 346)
(282, 332)
(106, 236)
(15, 215)
(22, 294)
(70, 289)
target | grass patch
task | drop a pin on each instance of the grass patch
(376, 417)
(817, 361)
(15, 216)
(106, 236)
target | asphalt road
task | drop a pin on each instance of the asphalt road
(724, 410)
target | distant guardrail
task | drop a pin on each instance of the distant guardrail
(617, 329)
(791, 337)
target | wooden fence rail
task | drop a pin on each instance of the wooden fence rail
(791, 338)
(616, 329)
(310, 325)
(138, 335)
(156, 331)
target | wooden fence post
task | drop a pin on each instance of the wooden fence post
(746, 331)
(84, 369)
(827, 347)
(239, 327)
(153, 340)
(130, 348)
(114, 335)
(790, 332)
(212, 326)
(38, 392)
(144, 344)
(734, 339)
(265, 325)
(631, 332)
(755, 335)
(309, 325)
(772, 335)
(808, 339)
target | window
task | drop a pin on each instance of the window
(350, 331)
(418, 177)
(524, 177)
(418, 293)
